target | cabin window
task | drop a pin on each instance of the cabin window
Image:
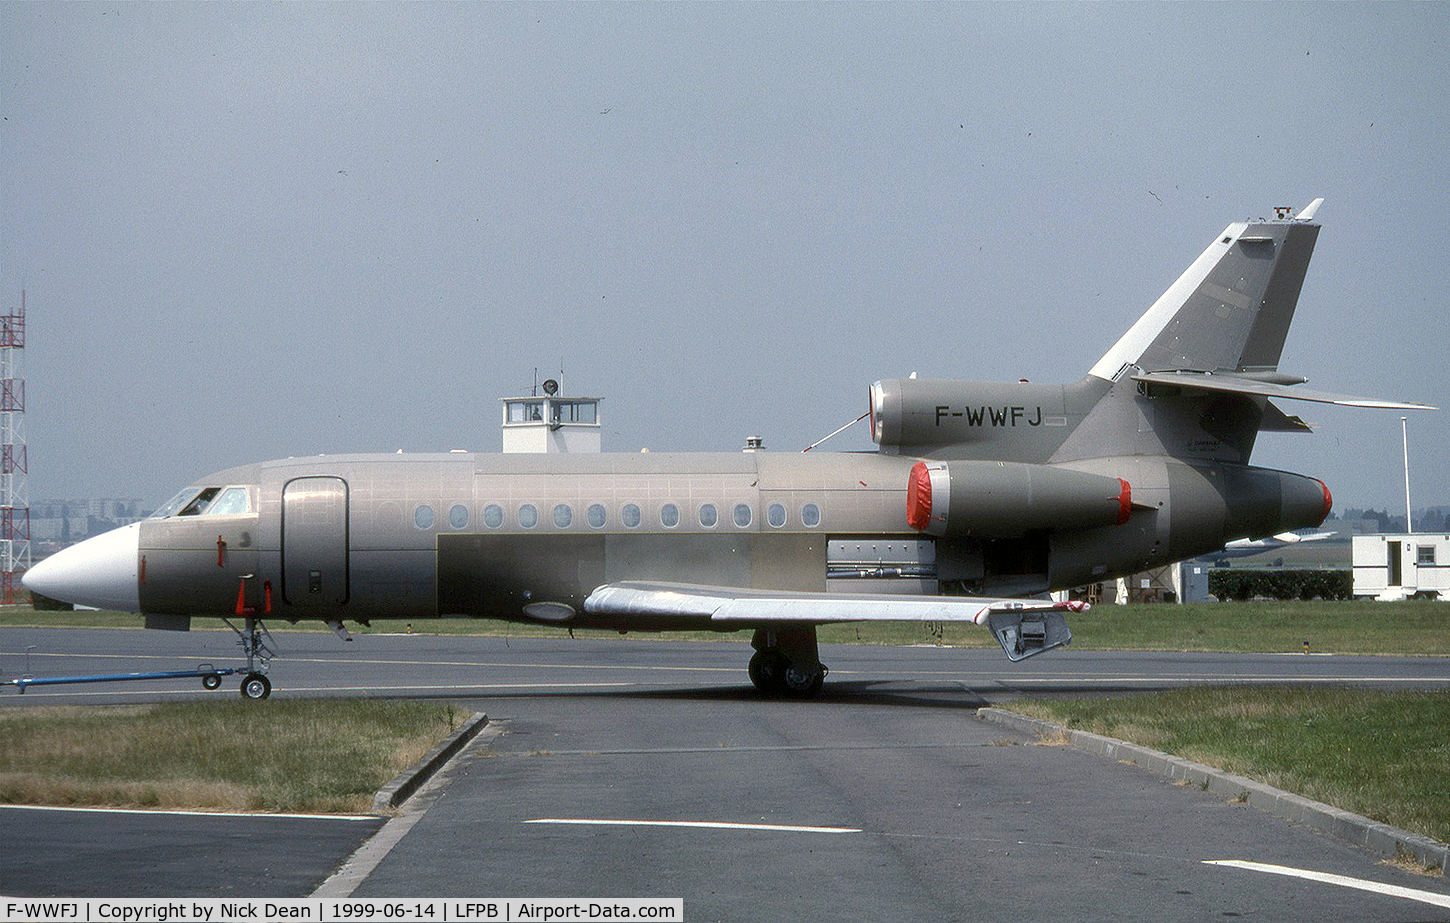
(630, 516)
(563, 515)
(810, 515)
(709, 516)
(493, 515)
(423, 516)
(458, 516)
(596, 516)
(669, 515)
(528, 515)
(1425, 555)
(743, 515)
(775, 515)
(234, 500)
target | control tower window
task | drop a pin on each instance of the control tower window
(525, 411)
(576, 412)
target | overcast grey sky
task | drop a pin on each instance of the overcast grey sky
(253, 231)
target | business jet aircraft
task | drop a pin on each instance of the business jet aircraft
(1243, 547)
(980, 495)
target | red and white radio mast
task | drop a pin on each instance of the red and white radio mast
(14, 497)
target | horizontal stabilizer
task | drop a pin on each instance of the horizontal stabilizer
(747, 606)
(1232, 384)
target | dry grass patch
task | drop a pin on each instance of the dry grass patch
(323, 756)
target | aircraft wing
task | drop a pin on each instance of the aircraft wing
(747, 606)
(1232, 384)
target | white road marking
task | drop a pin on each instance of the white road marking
(1425, 897)
(702, 824)
(164, 813)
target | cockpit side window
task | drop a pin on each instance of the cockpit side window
(232, 501)
(198, 506)
(182, 500)
(172, 505)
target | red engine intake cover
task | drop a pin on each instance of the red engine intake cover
(918, 497)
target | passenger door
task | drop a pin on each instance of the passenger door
(315, 542)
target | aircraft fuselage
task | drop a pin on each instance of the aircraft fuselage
(528, 537)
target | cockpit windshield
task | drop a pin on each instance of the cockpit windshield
(206, 502)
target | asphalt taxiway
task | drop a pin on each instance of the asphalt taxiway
(650, 768)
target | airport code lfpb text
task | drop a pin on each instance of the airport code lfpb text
(430, 910)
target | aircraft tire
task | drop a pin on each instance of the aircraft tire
(211, 681)
(256, 686)
(767, 671)
(802, 684)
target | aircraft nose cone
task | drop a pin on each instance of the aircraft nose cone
(99, 572)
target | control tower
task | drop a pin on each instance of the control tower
(551, 423)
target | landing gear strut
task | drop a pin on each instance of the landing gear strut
(787, 662)
(256, 643)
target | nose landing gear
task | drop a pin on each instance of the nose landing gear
(256, 644)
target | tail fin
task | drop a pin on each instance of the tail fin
(1230, 311)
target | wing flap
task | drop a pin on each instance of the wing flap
(746, 606)
(1277, 421)
(1232, 384)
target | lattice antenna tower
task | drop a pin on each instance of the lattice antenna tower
(14, 495)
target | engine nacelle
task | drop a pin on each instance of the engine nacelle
(1011, 421)
(990, 499)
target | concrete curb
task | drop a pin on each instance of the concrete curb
(402, 788)
(1354, 829)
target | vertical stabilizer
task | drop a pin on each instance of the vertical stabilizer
(1230, 311)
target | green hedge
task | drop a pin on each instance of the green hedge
(1281, 584)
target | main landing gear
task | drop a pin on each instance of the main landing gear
(787, 662)
(256, 643)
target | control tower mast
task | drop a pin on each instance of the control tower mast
(14, 496)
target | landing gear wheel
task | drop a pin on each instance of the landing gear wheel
(211, 681)
(767, 671)
(256, 686)
(802, 684)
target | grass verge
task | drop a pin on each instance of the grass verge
(1363, 627)
(306, 756)
(1380, 754)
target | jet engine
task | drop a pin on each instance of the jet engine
(1008, 499)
